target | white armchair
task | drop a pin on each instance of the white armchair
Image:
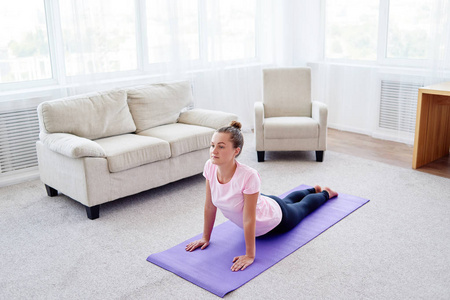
(287, 119)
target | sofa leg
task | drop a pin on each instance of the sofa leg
(260, 156)
(93, 212)
(319, 156)
(51, 192)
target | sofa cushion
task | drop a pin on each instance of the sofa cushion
(90, 116)
(206, 117)
(130, 150)
(158, 104)
(183, 138)
(290, 128)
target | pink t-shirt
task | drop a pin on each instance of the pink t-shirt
(229, 197)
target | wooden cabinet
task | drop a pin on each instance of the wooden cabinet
(432, 137)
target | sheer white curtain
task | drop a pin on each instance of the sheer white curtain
(239, 43)
(220, 46)
(439, 42)
(96, 39)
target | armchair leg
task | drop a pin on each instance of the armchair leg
(93, 212)
(319, 156)
(51, 192)
(260, 156)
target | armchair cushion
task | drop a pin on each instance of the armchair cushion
(287, 92)
(290, 128)
(158, 104)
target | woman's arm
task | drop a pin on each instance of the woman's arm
(208, 225)
(209, 214)
(249, 222)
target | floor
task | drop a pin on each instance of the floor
(393, 153)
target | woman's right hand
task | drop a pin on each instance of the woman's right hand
(203, 243)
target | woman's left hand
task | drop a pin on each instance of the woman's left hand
(240, 263)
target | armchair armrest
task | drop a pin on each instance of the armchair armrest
(320, 114)
(208, 118)
(71, 145)
(259, 121)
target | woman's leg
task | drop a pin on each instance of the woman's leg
(294, 213)
(297, 196)
(307, 205)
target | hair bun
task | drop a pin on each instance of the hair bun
(236, 124)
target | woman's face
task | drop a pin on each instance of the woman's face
(222, 150)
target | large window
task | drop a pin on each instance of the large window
(351, 28)
(232, 29)
(386, 31)
(24, 48)
(67, 40)
(409, 26)
(98, 35)
(172, 30)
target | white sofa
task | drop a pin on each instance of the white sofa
(103, 146)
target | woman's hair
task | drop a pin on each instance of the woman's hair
(234, 129)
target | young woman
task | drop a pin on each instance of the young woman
(234, 189)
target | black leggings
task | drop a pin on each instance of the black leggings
(296, 206)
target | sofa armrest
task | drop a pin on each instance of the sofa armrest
(208, 118)
(259, 121)
(71, 145)
(320, 114)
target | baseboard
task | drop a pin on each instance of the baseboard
(387, 135)
(349, 129)
(19, 177)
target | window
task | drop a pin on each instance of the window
(232, 29)
(24, 49)
(54, 40)
(99, 36)
(351, 29)
(172, 31)
(409, 25)
(395, 32)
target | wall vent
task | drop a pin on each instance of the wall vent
(19, 131)
(398, 105)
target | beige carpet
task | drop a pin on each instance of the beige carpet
(395, 247)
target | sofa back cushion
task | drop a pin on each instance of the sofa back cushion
(90, 116)
(158, 104)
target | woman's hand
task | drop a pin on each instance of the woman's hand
(203, 243)
(240, 263)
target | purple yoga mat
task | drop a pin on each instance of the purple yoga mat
(210, 268)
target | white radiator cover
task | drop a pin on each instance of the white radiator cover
(398, 105)
(19, 131)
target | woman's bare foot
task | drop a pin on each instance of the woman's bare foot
(331, 193)
(317, 188)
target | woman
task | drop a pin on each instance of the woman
(234, 189)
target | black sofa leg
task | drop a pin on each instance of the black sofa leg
(51, 192)
(260, 155)
(93, 212)
(319, 156)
